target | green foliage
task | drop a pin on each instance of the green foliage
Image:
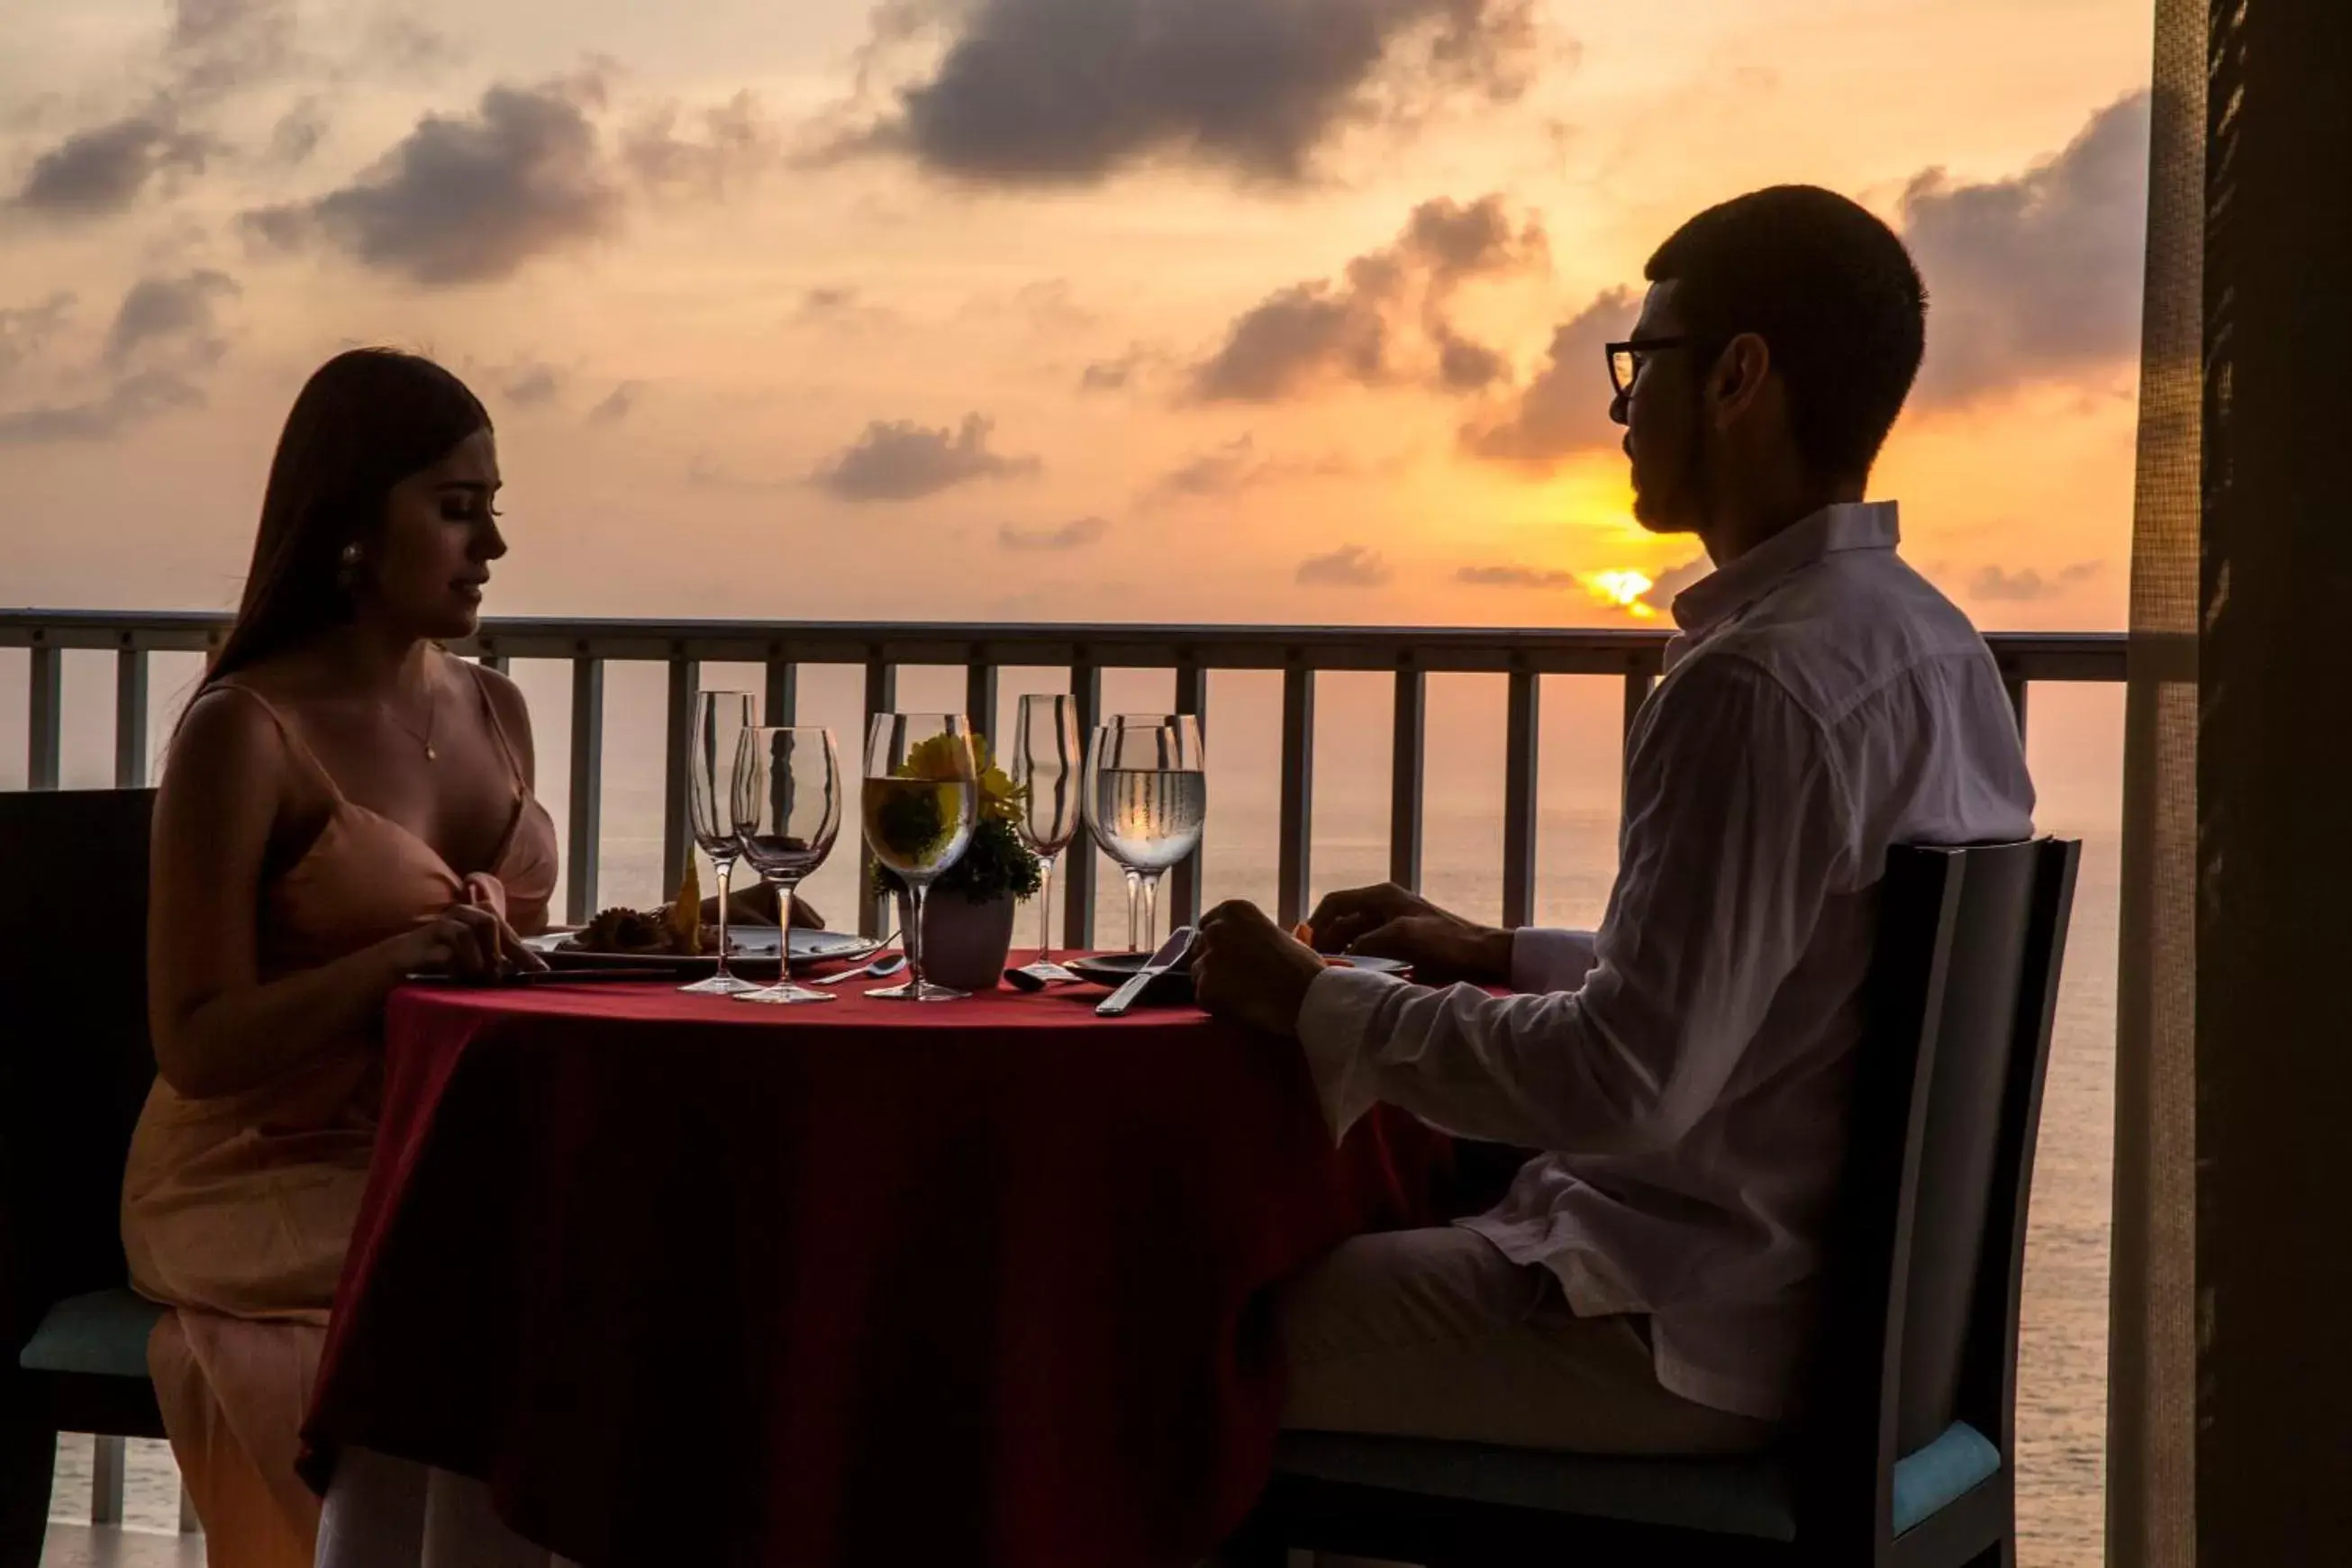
(994, 863)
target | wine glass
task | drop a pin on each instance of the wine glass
(787, 812)
(1147, 799)
(1049, 764)
(720, 719)
(921, 799)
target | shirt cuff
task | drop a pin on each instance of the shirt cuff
(1334, 1024)
(1544, 961)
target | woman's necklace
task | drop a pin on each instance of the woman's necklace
(432, 718)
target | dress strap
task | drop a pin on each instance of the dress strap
(497, 726)
(286, 732)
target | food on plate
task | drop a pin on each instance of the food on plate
(675, 931)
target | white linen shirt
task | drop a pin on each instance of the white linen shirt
(1689, 1064)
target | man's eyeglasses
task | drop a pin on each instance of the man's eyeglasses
(1626, 360)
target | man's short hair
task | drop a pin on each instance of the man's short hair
(1833, 292)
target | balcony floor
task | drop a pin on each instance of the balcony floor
(81, 1546)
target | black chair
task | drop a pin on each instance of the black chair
(1904, 1455)
(75, 1067)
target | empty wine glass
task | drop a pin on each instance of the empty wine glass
(719, 720)
(787, 812)
(1049, 765)
(1147, 799)
(921, 799)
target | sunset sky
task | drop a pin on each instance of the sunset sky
(1182, 309)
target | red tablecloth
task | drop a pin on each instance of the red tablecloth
(691, 1282)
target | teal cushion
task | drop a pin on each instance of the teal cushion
(1940, 1473)
(1747, 1496)
(102, 1334)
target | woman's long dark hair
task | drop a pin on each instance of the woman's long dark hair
(366, 420)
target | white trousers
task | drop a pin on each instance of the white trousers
(383, 1512)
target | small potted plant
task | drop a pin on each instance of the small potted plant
(968, 917)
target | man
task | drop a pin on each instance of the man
(1648, 1284)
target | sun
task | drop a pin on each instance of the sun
(1620, 590)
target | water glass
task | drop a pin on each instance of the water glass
(919, 802)
(1147, 799)
(1049, 764)
(786, 798)
(719, 720)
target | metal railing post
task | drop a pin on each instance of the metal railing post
(1523, 719)
(130, 717)
(1406, 781)
(587, 809)
(106, 1467)
(1295, 853)
(781, 702)
(1184, 896)
(980, 685)
(2016, 687)
(46, 717)
(677, 713)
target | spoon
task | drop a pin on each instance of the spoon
(889, 964)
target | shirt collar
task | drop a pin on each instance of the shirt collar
(1723, 593)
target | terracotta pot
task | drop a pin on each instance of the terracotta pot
(965, 944)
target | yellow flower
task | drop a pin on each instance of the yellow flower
(1001, 798)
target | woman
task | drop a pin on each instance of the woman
(344, 804)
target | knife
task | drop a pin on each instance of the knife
(1171, 953)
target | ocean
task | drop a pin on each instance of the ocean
(2075, 750)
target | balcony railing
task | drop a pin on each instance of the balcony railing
(881, 648)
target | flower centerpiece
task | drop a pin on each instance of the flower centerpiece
(968, 915)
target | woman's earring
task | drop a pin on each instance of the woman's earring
(351, 565)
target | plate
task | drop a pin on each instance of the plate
(1115, 969)
(754, 947)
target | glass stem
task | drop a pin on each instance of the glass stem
(726, 868)
(1134, 884)
(1045, 909)
(784, 933)
(914, 931)
(1151, 942)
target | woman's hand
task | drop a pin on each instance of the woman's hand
(468, 942)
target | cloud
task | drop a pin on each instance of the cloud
(1992, 584)
(102, 171)
(1515, 576)
(617, 403)
(218, 46)
(1234, 467)
(1118, 373)
(1075, 534)
(297, 133)
(132, 400)
(701, 151)
(1565, 408)
(25, 330)
(468, 199)
(172, 316)
(1349, 566)
(2038, 277)
(1660, 594)
(530, 384)
(1367, 327)
(898, 460)
(1069, 91)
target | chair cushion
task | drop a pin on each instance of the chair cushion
(1942, 1472)
(102, 1334)
(1747, 1496)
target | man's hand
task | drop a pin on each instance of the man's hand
(1246, 969)
(1391, 922)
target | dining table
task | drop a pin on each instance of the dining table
(988, 1282)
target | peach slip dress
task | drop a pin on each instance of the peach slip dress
(236, 1209)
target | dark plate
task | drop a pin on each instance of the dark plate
(752, 949)
(1115, 969)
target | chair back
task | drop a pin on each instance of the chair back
(1920, 1327)
(75, 1059)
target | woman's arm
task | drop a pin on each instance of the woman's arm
(217, 1028)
